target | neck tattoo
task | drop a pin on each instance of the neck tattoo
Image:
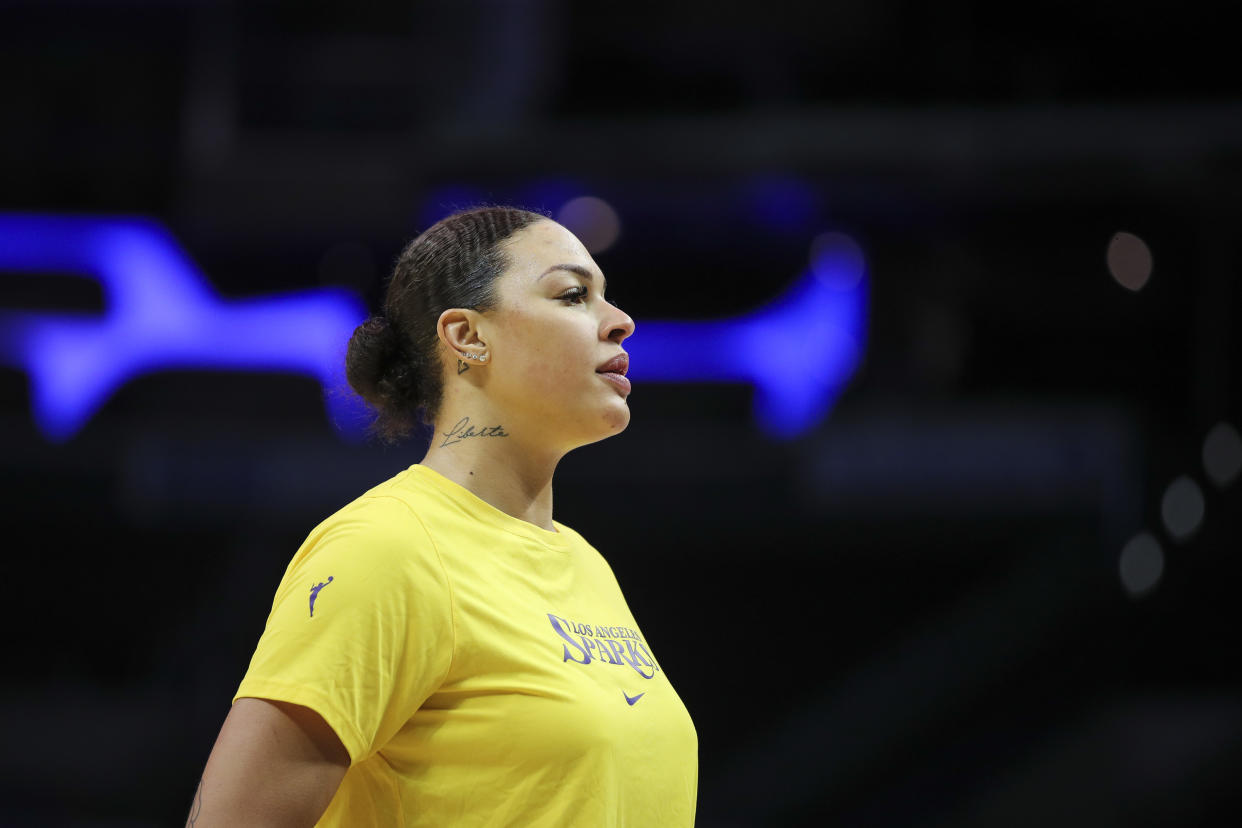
(463, 430)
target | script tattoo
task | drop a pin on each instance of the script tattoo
(462, 367)
(462, 429)
(197, 807)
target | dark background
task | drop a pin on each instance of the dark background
(912, 614)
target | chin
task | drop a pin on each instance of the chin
(612, 421)
(618, 420)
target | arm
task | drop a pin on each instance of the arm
(273, 764)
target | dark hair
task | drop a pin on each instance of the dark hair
(393, 361)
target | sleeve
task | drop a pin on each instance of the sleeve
(361, 629)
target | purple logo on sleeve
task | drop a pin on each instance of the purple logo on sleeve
(315, 594)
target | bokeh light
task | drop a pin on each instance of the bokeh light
(1181, 508)
(1141, 565)
(1129, 261)
(593, 221)
(1222, 454)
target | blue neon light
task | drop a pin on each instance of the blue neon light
(798, 351)
(161, 314)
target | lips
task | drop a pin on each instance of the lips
(619, 364)
(614, 370)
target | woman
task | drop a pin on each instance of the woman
(441, 652)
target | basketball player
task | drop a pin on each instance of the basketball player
(441, 652)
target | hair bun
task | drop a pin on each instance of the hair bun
(386, 336)
(379, 369)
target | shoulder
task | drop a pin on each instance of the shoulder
(380, 530)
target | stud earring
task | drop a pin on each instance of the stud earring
(476, 357)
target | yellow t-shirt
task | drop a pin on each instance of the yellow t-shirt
(480, 671)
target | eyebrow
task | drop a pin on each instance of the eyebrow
(578, 269)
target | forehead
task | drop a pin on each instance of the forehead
(535, 248)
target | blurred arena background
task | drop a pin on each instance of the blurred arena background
(966, 554)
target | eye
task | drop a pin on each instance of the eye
(575, 296)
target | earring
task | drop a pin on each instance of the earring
(477, 357)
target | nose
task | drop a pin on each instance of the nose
(618, 325)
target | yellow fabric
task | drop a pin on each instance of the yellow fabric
(480, 671)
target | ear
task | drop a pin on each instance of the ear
(458, 329)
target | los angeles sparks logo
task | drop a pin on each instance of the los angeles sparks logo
(620, 646)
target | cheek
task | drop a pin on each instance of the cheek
(544, 372)
(549, 356)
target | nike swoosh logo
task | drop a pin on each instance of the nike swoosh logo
(633, 699)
